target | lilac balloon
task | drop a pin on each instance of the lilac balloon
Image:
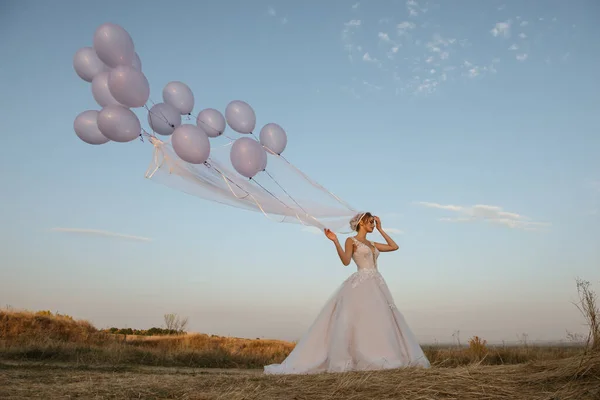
(128, 86)
(180, 96)
(137, 62)
(191, 144)
(101, 92)
(163, 118)
(248, 157)
(240, 116)
(212, 122)
(119, 124)
(86, 127)
(113, 45)
(87, 64)
(273, 137)
(263, 166)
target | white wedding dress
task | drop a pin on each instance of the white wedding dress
(358, 329)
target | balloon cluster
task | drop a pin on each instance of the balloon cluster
(118, 85)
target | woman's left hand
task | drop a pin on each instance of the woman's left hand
(378, 223)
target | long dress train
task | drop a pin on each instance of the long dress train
(358, 329)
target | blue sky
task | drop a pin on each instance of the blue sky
(469, 126)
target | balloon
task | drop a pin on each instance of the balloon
(100, 90)
(211, 121)
(87, 64)
(180, 96)
(191, 144)
(137, 62)
(240, 116)
(163, 118)
(128, 86)
(273, 137)
(119, 123)
(86, 127)
(113, 45)
(248, 157)
(263, 166)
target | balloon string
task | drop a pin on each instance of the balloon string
(287, 206)
(315, 184)
(220, 133)
(227, 180)
(160, 116)
(271, 194)
(285, 191)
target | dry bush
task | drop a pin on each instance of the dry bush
(24, 326)
(477, 346)
(588, 305)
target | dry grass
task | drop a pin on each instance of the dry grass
(570, 379)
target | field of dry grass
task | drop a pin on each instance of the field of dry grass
(49, 356)
(28, 336)
(570, 379)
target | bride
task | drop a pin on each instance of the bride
(359, 328)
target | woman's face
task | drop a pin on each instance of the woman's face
(369, 224)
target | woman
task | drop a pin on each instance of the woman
(359, 328)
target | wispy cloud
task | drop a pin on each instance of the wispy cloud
(486, 213)
(501, 29)
(384, 37)
(351, 91)
(370, 59)
(372, 87)
(404, 27)
(348, 33)
(522, 57)
(96, 232)
(273, 13)
(355, 6)
(414, 9)
(473, 71)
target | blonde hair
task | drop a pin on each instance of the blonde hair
(355, 221)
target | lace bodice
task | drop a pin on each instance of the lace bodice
(363, 256)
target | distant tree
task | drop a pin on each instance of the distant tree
(175, 324)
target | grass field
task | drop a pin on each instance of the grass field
(49, 356)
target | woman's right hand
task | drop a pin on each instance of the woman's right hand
(330, 235)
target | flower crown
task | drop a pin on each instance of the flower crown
(356, 220)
